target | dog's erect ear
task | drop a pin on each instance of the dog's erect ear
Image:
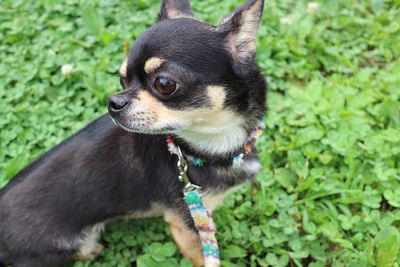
(173, 9)
(241, 28)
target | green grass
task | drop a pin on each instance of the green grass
(329, 191)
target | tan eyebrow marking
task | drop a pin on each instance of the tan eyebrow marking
(217, 96)
(123, 68)
(153, 64)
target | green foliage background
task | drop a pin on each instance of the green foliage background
(329, 191)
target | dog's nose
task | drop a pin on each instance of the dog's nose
(116, 103)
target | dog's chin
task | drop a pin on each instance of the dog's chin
(144, 130)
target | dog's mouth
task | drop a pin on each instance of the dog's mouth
(142, 128)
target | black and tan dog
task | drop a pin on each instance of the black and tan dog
(195, 81)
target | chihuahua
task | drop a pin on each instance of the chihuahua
(193, 81)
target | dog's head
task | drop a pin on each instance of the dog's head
(192, 79)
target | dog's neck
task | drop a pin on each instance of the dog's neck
(218, 140)
(227, 147)
(215, 144)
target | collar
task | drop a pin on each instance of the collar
(235, 159)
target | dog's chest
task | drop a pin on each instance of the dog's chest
(216, 183)
(215, 178)
(226, 180)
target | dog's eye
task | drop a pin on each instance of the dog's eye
(165, 86)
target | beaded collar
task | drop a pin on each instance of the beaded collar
(235, 161)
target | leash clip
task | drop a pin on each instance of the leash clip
(182, 167)
(191, 187)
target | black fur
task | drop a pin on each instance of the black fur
(103, 172)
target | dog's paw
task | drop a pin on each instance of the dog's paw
(92, 255)
(97, 250)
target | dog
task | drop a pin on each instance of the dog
(195, 82)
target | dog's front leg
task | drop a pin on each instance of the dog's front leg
(185, 236)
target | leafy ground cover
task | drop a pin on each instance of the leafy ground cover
(329, 191)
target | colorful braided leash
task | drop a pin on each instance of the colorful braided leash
(193, 196)
(202, 219)
(204, 225)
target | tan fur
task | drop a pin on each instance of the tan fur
(213, 200)
(149, 103)
(217, 96)
(187, 240)
(153, 64)
(123, 68)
